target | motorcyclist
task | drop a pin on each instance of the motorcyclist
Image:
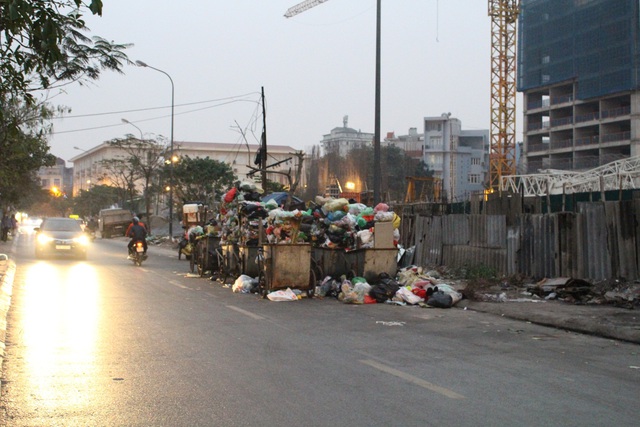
(138, 233)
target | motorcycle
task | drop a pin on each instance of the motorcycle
(137, 255)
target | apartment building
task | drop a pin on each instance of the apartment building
(459, 158)
(579, 74)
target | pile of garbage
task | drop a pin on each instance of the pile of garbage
(329, 223)
(412, 286)
(578, 291)
(341, 224)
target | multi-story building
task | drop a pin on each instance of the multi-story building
(89, 169)
(343, 139)
(460, 159)
(58, 176)
(579, 73)
(412, 143)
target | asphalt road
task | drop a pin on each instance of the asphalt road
(104, 343)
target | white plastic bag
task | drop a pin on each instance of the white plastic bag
(409, 297)
(243, 284)
(283, 295)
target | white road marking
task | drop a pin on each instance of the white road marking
(415, 380)
(245, 312)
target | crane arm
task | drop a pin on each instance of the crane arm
(301, 7)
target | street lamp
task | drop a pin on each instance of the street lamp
(142, 64)
(140, 130)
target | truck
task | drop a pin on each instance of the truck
(113, 222)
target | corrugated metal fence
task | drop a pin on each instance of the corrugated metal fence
(599, 241)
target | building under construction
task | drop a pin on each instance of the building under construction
(579, 72)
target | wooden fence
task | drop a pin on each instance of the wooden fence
(600, 240)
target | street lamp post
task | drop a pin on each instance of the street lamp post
(142, 64)
(132, 124)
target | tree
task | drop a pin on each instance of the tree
(121, 178)
(200, 179)
(89, 202)
(142, 159)
(23, 148)
(44, 43)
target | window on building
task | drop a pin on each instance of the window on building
(45, 183)
(434, 126)
(475, 160)
(435, 143)
(474, 178)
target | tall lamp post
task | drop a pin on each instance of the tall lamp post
(142, 64)
(132, 124)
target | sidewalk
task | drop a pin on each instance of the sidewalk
(600, 320)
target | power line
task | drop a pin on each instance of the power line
(149, 119)
(156, 108)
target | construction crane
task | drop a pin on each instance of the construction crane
(502, 155)
(301, 7)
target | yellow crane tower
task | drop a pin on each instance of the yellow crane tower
(502, 155)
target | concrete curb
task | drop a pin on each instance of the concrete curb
(6, 291)
(603, 321)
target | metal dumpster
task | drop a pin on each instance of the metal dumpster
(286, 266)
(248, 255)
(205, 258)
(230, 260)
(366, 262)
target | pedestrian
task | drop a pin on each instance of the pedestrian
(14, 226)
(6, 226)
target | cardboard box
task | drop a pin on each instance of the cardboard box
(383, 235)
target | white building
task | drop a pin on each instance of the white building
(343, 139)
(88, 168)
(58, 176)
(459, 158)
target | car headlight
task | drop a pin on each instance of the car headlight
(43, 239)
(81, 240)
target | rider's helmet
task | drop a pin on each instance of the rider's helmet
(135, 220)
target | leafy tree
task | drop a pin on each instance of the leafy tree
(89, 202)
(201, 179)
(23, 148)
(45, 42)
(43, 45)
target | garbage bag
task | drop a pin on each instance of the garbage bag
(385, 289)
(282, 295)
(440, 299)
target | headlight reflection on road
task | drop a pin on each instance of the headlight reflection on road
(60, 321)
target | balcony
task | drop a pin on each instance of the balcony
(563, 121)
(616, 137)
(561, 99)
(587, 140)
(589, 117)
(616, 112)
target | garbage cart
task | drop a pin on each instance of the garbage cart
(286, 266)
(204, 256)
(248, 256)
(365, 262)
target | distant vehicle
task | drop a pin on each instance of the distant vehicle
(280, 198)
(61, 236)
(113, 222)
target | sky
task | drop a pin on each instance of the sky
(315, 68)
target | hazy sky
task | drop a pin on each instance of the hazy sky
(315, 68)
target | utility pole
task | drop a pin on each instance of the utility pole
(263, 153)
